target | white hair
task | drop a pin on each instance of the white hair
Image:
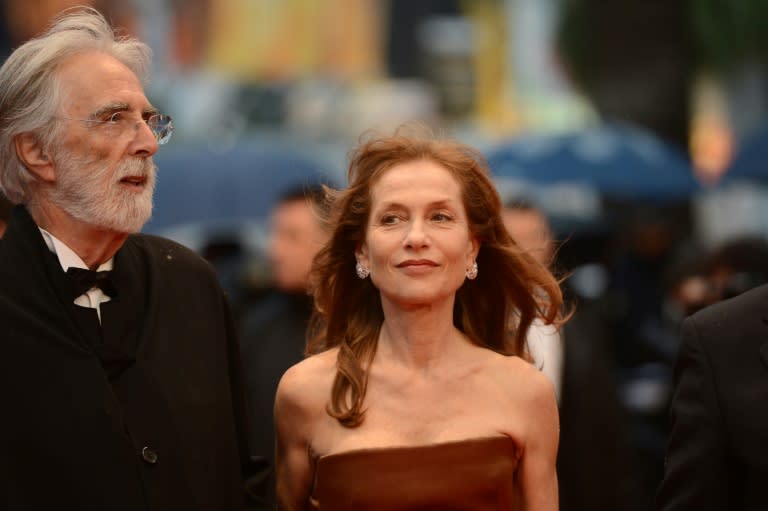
(96, 197)
(29, 88)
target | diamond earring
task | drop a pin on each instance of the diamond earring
(362, 271)
(472, 272)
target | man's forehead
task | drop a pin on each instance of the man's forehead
(94, 62)
(93, 80)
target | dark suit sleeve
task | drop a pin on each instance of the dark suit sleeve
(254, 470)
(695, 467)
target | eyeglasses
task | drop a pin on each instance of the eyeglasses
(160, 125)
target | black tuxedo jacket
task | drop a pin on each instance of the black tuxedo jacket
(146, 412)
(717, 457)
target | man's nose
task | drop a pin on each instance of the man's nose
(144, 140)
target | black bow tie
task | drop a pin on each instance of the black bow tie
(87, 279)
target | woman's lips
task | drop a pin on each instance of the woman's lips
(417, 266)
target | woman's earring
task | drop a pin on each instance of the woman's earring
(472, 272)
(362, 271)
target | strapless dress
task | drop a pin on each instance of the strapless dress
(476, 474)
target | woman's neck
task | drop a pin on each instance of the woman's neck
(420, 337)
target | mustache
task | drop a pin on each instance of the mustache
(141, 167)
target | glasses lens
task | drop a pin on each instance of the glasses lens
(162, 127)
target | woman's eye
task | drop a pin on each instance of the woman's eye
(389, 219)
(441, 217)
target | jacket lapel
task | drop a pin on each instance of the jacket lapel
(39, 285)
(123, 318)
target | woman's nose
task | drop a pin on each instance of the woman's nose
(416, 235)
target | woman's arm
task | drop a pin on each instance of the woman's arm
(293, 467)
(537, 475)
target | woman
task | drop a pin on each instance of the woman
(417, 395)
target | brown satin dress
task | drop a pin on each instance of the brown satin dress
(476, 474)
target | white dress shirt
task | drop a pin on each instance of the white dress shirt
(546, 348)
(92, 298)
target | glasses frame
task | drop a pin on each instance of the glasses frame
(160, 125)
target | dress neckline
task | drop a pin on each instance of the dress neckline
(502, 439)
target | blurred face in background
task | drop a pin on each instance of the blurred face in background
(296, 236)
(530, 229)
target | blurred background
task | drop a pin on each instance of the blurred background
(639, 127)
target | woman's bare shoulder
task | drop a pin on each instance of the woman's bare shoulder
(521, 376)
(528, 396)
(307, 384)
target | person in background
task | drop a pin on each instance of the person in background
(418, 394)
(273, 334)
(739, 265)
(529, 227)
(120, 373)
(702, 276)
(579, 361)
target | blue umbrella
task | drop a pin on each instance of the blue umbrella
(751, 160)
(203, 186)
(617, 160)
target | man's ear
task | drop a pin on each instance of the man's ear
(33, 155)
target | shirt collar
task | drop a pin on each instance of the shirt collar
(67, 257)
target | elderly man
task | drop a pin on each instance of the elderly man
(121, 386)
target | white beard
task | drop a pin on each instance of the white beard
(90, 193)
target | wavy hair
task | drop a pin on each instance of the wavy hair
(494, 311)
(29, 88)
